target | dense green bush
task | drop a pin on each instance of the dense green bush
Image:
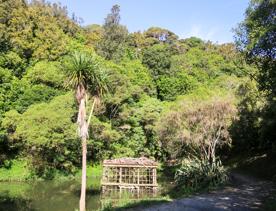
(50, 143)
(257, 42)
(196, 174)
(180, 84)
(157, 59)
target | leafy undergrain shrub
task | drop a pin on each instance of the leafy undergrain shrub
(196, 174)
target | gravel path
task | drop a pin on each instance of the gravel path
(244, 194)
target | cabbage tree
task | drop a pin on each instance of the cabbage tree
(88, 80)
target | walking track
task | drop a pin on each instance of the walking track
(245, 193)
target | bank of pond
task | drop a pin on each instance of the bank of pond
(19, 190)
(64, 196)
(62, 193)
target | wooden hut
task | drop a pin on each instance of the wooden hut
(134, 175)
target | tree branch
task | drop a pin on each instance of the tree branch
(91, 112)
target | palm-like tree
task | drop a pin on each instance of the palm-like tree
(88, 80)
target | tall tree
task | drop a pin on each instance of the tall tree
(114, 37)
(35, 30)
(161, 35)
(256, 38)
(87, 78)
(196, 128)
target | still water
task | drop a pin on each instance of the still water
(48, 195)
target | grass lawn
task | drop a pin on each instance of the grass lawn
(18, 171)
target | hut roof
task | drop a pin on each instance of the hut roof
(142, 161)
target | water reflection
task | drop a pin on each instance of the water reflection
(46, 195)
(58, 196)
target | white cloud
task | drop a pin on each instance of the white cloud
(195, 31)
(205, 34)
(210, 34)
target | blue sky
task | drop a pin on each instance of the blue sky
(208, 19)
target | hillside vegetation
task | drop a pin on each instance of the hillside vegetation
(187, 102)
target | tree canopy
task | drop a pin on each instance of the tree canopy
(168, 97)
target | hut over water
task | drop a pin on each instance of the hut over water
(135, 175)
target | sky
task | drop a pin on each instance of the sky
(207, 19)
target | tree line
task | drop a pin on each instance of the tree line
(168, 98)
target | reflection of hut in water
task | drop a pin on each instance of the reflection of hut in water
(134, 175)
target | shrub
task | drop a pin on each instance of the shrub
(196, 174)
(196, 128)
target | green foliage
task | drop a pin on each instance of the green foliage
(113, 42)
(20, 94)
(47, 73)
(268, 125)
(170, 87)
(256, 38)
(209, 64)
(128, 203)
(161, 35)
(41, 115)
(157, 59)
(125, 87)
(35, 94)
(137, 123)
(94, 34)
(194, 42)
(94, 171)
(35, 30)
(83, 69)
(163, 92)
(18, 171)
(5, 86)
(14, 62)
(102, 140)
(138, 75)
(195, 174)
(245, 130)
(30, 27)
(51, 141)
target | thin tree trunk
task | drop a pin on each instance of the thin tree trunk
(83, 178)
(214, 146)
(91, 113)
(83, 133)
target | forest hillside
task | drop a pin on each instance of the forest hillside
(175, 100)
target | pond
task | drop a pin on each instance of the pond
(48, 195)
